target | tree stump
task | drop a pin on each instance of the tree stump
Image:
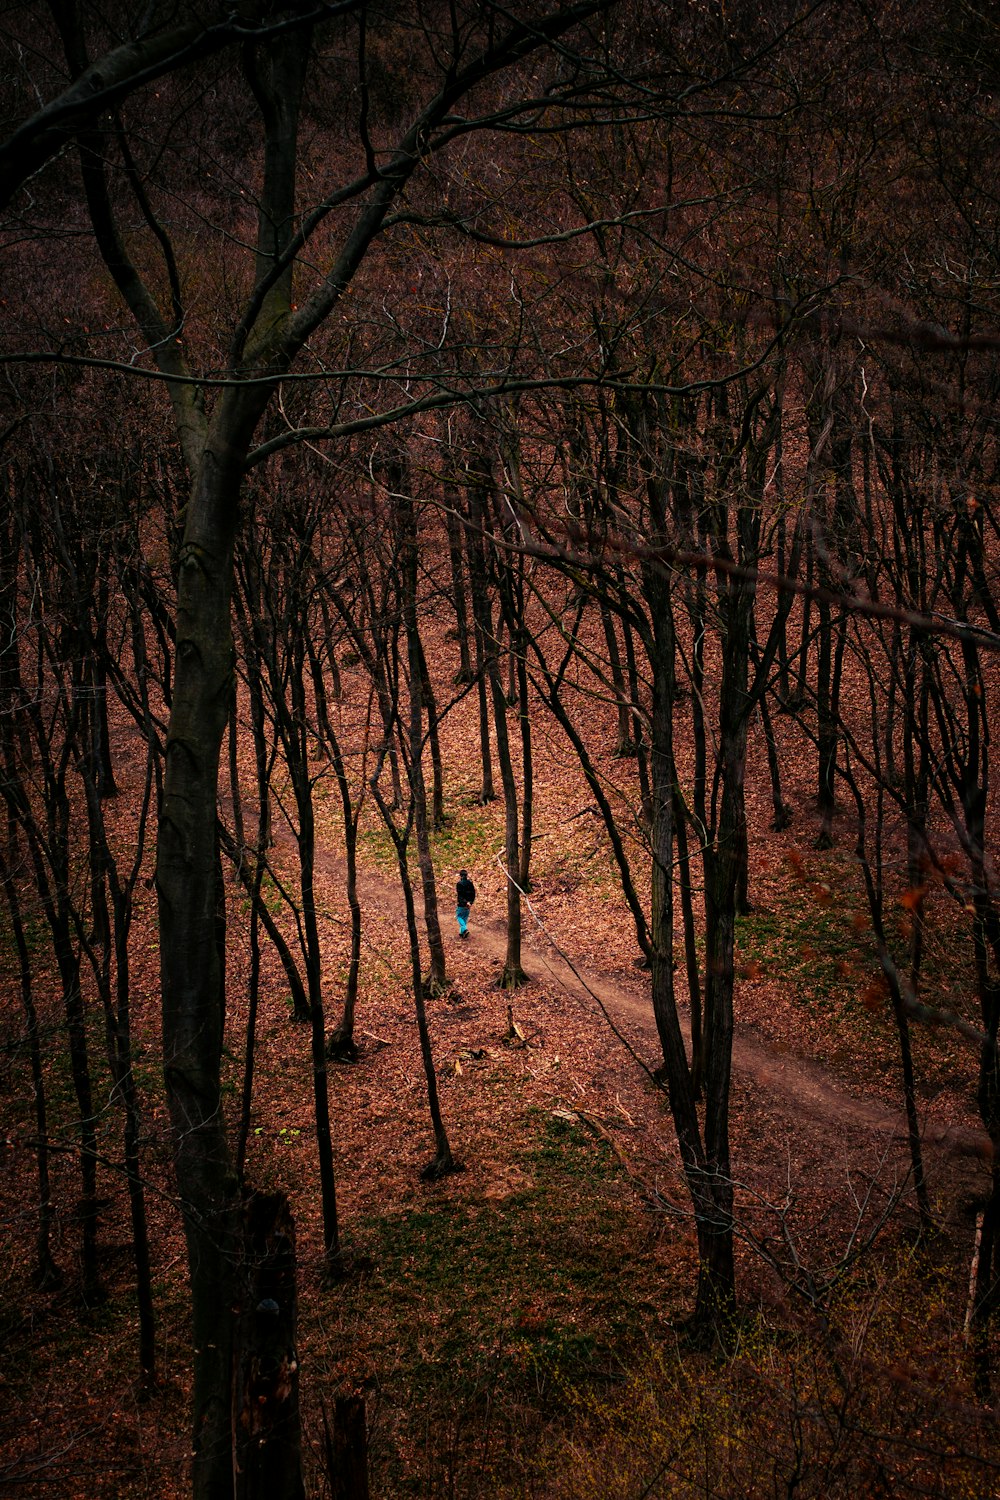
(267, 1431)
(347, 1449)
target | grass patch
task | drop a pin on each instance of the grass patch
(482, 1314)
(376, 849)
(777, 1416)
(818, 939)
(514, 1295)
(471, 832)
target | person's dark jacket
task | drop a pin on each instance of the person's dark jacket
(465, 892)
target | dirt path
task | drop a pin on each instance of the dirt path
(802, 1091)
(803, 1087)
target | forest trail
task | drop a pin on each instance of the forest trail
(802, 1086)
(797, 1090)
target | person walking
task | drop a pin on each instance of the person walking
(465, 894)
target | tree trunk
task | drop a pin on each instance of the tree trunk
(341, 1045)
(527, 773)
(832, 638)
(317, 1033)
(239, 833)
(253, 1001)
(46, 1274)
(347, 1449)
(293, 727)
(624, 744)
(513, 974)
(800, 690)
(782, 812)
(268, 1456)
(436, 982)
(690, 942)
(481, 626)
(68, 960)
(453, 522)
(192, 965)
(434, 741)
(638, 736)
(118, 1027)
(443, 1161)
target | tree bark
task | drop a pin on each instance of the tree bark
(268, 1456)
(347, 1449)
(192, 965)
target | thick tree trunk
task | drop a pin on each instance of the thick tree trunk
(268, 1457)
(192, 964)
(347, 1449)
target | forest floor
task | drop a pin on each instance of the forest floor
(519, 1328)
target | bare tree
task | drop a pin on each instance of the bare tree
(267, 333)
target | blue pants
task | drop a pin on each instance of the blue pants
(462, 916)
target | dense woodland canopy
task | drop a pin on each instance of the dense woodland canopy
(558, 441)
